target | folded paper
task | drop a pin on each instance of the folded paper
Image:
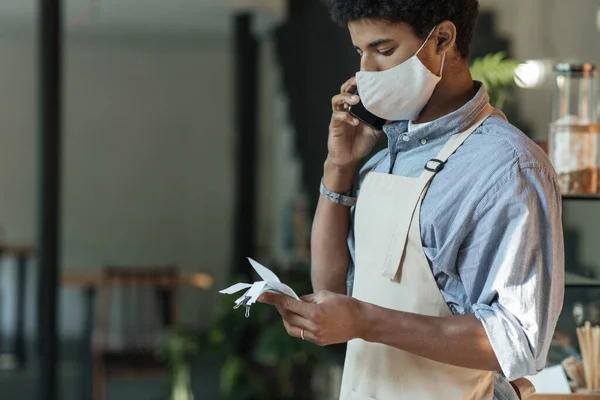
(270, 283)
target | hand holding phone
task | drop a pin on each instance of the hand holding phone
(350, 139)
(362, 114)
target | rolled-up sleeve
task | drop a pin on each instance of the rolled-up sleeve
(512, 266)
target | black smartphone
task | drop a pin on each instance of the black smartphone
(362, 114)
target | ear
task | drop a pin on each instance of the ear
(446, 37)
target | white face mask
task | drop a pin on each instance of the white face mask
(399, 93)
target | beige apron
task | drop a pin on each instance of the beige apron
(393, 272)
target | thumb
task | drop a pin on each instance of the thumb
(267, 298)
(273, 299)
(318, 297)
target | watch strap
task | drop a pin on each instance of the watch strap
(337, 198)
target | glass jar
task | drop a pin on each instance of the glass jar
(573, 140)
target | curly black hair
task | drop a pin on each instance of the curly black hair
(421, 15)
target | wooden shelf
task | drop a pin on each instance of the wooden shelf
(17, 250)
(580, 197)
(94, 279)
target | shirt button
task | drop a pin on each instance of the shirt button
(423, 141)
(405, 138)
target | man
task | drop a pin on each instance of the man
(445, 277)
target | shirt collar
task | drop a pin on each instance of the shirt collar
(400, 139)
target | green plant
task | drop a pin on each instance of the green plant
(497, 73)
(179, 345)
(260, 360)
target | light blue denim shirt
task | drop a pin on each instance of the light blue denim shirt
(492, 231)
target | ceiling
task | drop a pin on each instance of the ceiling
(154, 15)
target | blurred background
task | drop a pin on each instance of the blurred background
(193, 135)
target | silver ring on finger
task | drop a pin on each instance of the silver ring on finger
(302, 334)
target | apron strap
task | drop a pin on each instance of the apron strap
(393, 264)
(437, 164)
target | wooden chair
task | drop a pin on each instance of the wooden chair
(144, 302)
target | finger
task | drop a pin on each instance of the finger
(296, 331)
(298, 320)
(341, 117)
(271, 298)
(341, 101)
(280, 304)
(299, 307)
(349, 86)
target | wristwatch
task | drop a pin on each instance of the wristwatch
(345, 200)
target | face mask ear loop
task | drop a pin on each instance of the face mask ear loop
(426, 40)
(442, 67)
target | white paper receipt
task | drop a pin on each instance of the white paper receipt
(270, 283)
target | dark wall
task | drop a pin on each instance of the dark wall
(317, 57)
